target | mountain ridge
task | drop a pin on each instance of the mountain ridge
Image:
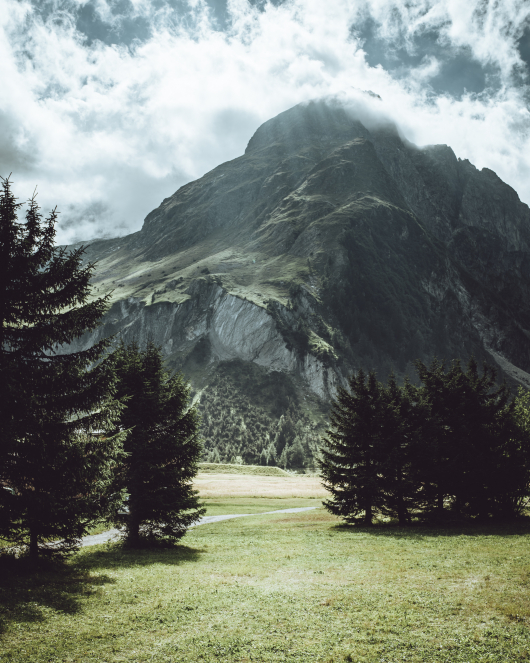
(325, 247)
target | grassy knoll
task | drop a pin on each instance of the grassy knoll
(283, 587)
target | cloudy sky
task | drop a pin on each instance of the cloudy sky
(108, 106)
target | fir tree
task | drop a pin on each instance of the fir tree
(403, 420)
(296, 457)
(55, 475)
(517, 476)
(456, 443)
(473, 458)
(163, 448)
(351, 457)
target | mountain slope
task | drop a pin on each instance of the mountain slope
(323, 248)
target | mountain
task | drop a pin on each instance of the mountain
(325, 247)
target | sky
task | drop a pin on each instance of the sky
(109, 106)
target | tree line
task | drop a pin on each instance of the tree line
(455, 445)
(85, 436)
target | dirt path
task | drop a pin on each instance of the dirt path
(95, 539)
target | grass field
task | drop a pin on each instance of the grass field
(238, 485)
(281, 587)
(226, 468)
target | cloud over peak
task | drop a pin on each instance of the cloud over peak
(110, 105)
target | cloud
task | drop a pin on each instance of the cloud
(108, 126)
(488, 31)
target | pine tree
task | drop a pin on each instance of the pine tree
(516, 474)
(456, 443)
(286, 434)
(351, 458)
(403, 418)
(297, 457)
(163, 448)
(55, 475)
(472, 440)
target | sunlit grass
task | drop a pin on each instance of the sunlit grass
(227, 468)
(236, 490)
(227, 505)
(282, 587)
(234, 485)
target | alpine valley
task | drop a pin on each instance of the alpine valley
(324, 248)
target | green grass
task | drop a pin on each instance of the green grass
(283, 587)
(222, 506)
(225, 468)
(243, 272)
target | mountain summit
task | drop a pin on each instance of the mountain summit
(324, 248)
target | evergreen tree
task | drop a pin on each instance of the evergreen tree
(55, 474)
(517, 476)
(455, 443)
(351, 459)
(163, 448)
(296, 454)
(472, 462)
(271, 454)
(285, 435)
(404, 422)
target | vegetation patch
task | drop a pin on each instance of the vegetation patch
(225, 468)
(254, 417)
(225, 505)
(281, 588)
(218, 486)
(319, 348)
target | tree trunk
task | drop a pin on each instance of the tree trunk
(402, 511)
(133, 528)
(368, 515)
(440, 505)
(401, 508)
(33, 545)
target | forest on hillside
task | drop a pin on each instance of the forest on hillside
(237, 428)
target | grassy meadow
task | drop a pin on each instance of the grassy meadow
(255, 470)
(276, 487)
(280, 587)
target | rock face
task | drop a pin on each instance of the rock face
(222, 326)
(327, 247)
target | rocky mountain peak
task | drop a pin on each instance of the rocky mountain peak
(313, 121)
(326, 247)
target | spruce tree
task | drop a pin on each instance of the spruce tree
(403, 420)
(351, 458)
(55, 474)
(472, 462)
(517, 475)
(163, 448)
(457, 444)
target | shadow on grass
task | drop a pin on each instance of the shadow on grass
(429, 530)
(28, 595)
(116, 555)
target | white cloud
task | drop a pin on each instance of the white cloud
(489, 30)
(108, 131)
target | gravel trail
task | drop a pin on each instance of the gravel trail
(95, 539)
